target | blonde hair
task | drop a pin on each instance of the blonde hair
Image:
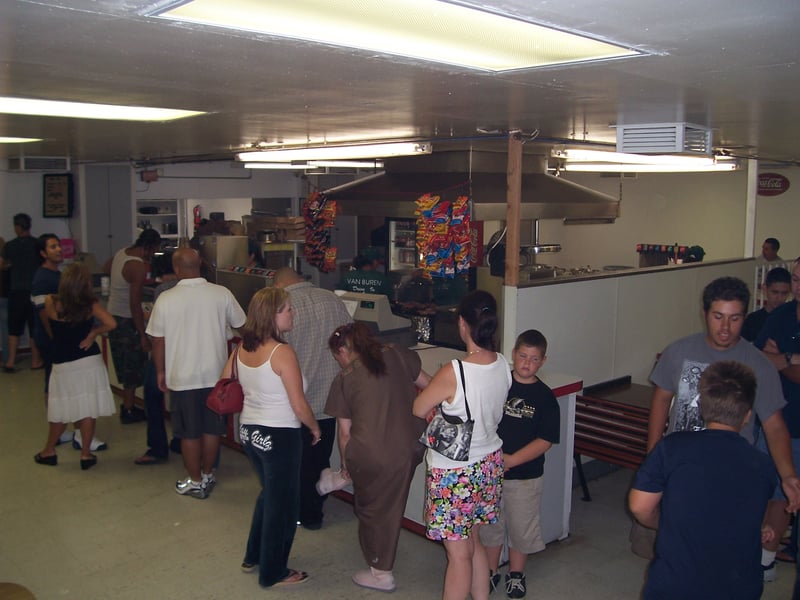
(260, 326)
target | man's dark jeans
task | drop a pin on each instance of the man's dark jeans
(315, 458)
(154, 407)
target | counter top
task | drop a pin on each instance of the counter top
(626, 272)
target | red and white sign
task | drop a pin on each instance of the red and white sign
(772, 184)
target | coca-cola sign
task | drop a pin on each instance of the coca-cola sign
(772, 184)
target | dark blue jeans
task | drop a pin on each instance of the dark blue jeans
(154, 407)
(315, 458)
(275, 454)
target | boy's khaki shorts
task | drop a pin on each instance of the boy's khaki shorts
(519, 517)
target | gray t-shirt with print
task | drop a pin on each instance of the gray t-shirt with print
(680, 366)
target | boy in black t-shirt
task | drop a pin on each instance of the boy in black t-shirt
(531, 424)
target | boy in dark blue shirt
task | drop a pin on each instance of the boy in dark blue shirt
(706, 492)
(530, 426)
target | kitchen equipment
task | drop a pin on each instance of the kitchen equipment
(402, 250)
(219, 251)
(445, 328)
(243, 281)
(376, 312)
(481, 174)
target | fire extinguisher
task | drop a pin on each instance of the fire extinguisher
(196, 212)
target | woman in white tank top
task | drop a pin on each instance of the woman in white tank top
(462, 496)
(269, 428)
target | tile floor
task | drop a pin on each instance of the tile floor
(119, 530)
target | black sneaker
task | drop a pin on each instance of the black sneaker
(515, 585)
(494, 581)
(133, 415)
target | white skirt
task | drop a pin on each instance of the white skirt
(79, 389)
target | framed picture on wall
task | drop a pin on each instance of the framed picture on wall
(57, 196)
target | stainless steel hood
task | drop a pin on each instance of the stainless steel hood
(479, 174)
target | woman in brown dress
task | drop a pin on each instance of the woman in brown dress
(371, 399)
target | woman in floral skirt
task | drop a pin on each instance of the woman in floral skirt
(462, 496)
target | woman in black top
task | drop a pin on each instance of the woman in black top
(79, 388)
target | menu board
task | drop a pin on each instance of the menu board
(57, 196)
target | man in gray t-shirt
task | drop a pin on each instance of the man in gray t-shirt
(725, 302)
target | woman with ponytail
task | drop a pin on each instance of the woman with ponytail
(371, 399)
(462, 496)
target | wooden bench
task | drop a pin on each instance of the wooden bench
(611, 425)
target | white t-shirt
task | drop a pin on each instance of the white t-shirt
(195, 319)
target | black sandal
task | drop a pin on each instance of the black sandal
(50, 461)
(88, 463)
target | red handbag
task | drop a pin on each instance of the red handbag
(227, 397)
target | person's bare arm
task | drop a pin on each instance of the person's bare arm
(440, 389)
(788, 368)
(135, 273)
(780, 448)
(659, 412)
(107, 323)
(284, 363)
(644, 506)
(159, 360)
(528, 452)
(343, 430)
(422, 380)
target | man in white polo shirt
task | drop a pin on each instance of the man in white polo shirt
(190, 326)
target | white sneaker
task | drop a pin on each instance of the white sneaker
(95, 446)
(209, 481)
(770, 573)
(195, 489)
(375, 579)
(65, 438)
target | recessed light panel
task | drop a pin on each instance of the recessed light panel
(18, 140)
(425, 29)
(82, 110)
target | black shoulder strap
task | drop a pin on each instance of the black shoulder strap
(464, 387)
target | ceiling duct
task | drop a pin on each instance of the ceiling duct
(39, 163)
(478, 174)
(664, 138)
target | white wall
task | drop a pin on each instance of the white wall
(22, 192)
(706, 209)
(615, 326)
(779, 216)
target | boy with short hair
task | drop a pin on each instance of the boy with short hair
(706, 491)
(776, 289)
(530, 426)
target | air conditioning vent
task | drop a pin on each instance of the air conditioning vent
(664, 138)
(39, 163)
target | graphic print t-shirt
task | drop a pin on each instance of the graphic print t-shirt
(530, 412)
(683, 362)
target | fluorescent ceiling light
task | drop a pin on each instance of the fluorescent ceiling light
(338, 152)
(599, 156)
(81, 110)
(275, 166)
(433, 30)
(646, 168)
(18, 140)
(347, 164)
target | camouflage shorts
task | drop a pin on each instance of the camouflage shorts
(126, 351)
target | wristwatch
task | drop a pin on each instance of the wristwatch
(788, 357)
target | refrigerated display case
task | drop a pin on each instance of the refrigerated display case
(402, 245)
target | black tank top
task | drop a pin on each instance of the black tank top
(66, 339)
